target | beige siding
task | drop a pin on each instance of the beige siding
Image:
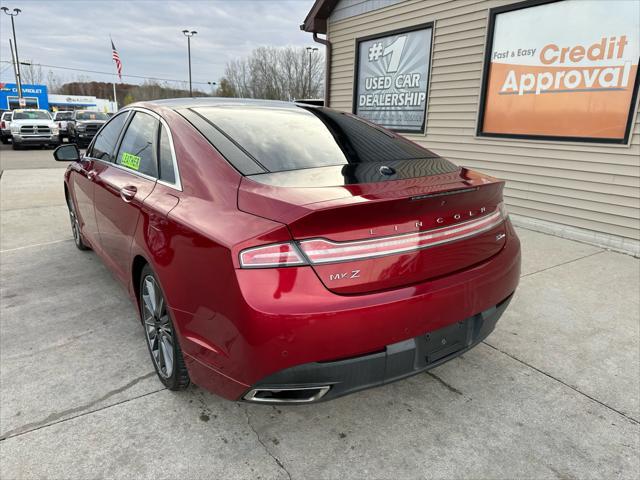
(595, 187)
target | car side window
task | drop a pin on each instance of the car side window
(167, 172)
(105, 143)
(138, 148)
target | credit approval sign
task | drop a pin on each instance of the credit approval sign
(392, 74)
(562, 70)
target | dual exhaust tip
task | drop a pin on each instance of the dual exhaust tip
(286, 395)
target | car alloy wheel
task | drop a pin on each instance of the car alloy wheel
(160, 333)
(157, 327)
(75, 229)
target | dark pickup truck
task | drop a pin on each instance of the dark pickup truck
(84, 125)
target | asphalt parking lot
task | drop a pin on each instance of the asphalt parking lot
(554, 392)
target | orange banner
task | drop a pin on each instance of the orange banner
(562, 69)
(562, 101)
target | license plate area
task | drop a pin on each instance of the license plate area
(446, 341)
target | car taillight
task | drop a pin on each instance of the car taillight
(59, 124)
(2, 125)
(318, 250)
(325, 251)
(277, 255)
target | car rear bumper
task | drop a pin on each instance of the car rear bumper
(283, 323)
(321, 381)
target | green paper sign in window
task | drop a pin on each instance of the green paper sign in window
(130, 160)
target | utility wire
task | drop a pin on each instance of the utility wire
(104, 73)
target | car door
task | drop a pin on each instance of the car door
(101, 153)
(122, 187)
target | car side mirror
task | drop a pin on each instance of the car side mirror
(67, 153)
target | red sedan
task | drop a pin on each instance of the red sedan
(283, 252)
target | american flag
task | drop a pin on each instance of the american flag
(116, 58)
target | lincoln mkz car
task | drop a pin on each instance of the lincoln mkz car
(282, 252)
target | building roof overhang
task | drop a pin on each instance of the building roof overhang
(316, 20)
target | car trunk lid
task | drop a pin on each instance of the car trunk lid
(367, 237)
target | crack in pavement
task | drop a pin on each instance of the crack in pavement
(445, 384)
(561, 264)
(266, 449)
(628, 417)
(57, 417)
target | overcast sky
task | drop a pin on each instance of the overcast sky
(147, 34)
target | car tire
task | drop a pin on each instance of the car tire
(5, 140)
(160, 333)
(15, 146)
(75, 228)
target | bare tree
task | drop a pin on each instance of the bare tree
(275, 73)
(54, 84)
(31, 74)
(225, 89)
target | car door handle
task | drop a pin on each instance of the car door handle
(127, 193)
(91, 174)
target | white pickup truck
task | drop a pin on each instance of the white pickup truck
(33, 127)
(62, 118)
(5, 127)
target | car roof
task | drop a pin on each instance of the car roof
(30, 110)
(193, 102)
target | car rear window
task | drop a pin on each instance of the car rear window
(283, 139)
(64, 115)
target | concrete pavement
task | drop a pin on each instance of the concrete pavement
(552, 393)
(27, 158)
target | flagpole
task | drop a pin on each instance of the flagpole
(115, 98)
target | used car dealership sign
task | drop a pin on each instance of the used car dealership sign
(392, 81)
(558, 71)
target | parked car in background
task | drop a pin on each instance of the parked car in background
(287, 253)
(318, 102)
(5, 127)
(84, 125)
(33, 127)
(62, 118)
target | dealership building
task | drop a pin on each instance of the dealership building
(542, 94)
(37, 96)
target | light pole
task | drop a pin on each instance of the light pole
(16, 12)
(310, 50)
(189, 34)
